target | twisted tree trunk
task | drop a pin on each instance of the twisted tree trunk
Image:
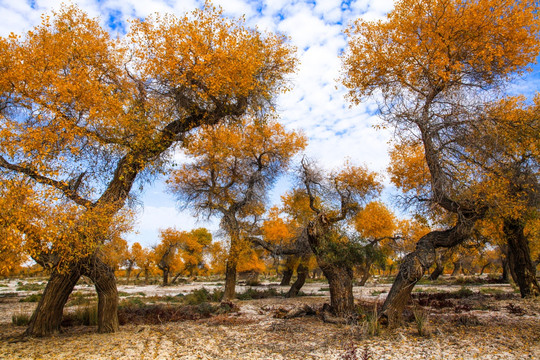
(416, 264)
(301, 275)
(47, 317)
(519, 258)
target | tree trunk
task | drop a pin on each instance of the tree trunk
(287, 276)
(128, 272)
(366, 273)
(105, 282)
(165, 277)
(301, 275)
(519, 258)
(230, 281)
(439, 269)
(484, 267)
(340, 279)
(416, 263)
(146, 276)
(289, 270)
(47, 317)
(457, 268)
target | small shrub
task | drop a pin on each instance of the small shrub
(324, 289)
(79, 298)
(132, 301)
(87, 315)
(251, 294)
(421, 320)
(463, 293)
(4, 285)
(123, 293)
(206, 309)
(30, 286)
(491, 291)
(377, 292)
(515, 309)
(372, 322)
(202, 295)
(20, 319)
(31, 298)
(467, 320)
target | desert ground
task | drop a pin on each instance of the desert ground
(448, 319)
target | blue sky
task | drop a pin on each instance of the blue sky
(316, 104)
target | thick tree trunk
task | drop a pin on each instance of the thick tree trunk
(439, 269)
(105, 282)
(416, 263)
(519, 258)
(165, 277)
(457, 268)
(301, 275)
(47, 317)
(340, 279)
(340, 276)
(230, 281)
(287, 276)
(289, 270)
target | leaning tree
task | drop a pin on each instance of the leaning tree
(83, 117)
(433, 64)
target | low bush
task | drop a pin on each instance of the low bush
(20, 319)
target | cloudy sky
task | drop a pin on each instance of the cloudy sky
(316, 104)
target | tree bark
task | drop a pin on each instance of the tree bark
(287, 276)
(457, 268)
(439, 269)
(366, 273)
(165, 277)
(230, 281)
(340, 276)
(105, 283)
(47, 317)
(416, 263)
(301, 275)
(340, 279)
(519, 258)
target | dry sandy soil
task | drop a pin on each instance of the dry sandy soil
(481, 326)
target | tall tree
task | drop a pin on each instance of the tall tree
(83, 116)
(435, 62)
(232, 170)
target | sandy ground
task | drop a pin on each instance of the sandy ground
(254, 332)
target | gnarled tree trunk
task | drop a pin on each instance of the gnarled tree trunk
(301, 275)
(519, 258)
(366, 272)
(340, 276)
(105, 282)
(47, 317)
(287, 276)
(416, 263)
(340, 279)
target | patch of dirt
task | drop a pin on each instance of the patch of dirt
(480, 326)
